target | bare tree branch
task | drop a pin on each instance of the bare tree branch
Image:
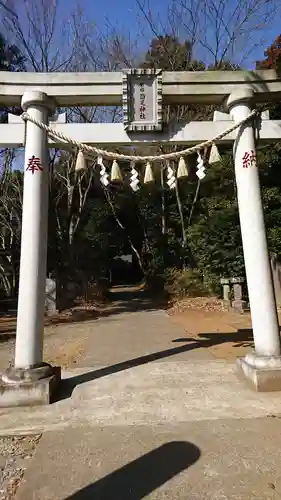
(39, 33)
(219, 30)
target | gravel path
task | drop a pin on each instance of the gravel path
(15, 454)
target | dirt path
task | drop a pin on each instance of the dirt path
(69, 336)
(73, 336)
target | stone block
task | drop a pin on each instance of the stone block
(31, 392)
(261, 379)
(239, 305)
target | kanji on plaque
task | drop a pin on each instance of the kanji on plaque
(34, 164)
(249, 159)
(142, 107)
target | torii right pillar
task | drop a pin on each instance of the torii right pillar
(262, 368)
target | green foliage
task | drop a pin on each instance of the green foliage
(214, 236)
(10, 190)
(168, 53)
(10, 60)
(10, 57)
(186, 282)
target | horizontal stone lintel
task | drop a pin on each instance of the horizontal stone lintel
(12, 134)
(105, 88)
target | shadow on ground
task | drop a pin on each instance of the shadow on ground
(141, 477)
(243, 337)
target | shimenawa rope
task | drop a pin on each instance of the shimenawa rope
(136, 158)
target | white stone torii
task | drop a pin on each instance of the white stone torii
(30, 381)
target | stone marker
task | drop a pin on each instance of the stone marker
(238, 304)
(51, 296)
(226, 291)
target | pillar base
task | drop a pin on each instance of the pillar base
(29, 387)
(262, 373)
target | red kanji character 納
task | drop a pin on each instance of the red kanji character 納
(249, 159)
(253, 159)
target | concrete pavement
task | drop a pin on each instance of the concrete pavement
(218, 460)
(161, 420)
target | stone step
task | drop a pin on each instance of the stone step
(150, 394)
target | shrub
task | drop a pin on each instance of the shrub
(188, 282)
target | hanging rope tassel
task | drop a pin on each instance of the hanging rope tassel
(171, 180)
(215, 156)
(81, 163)
(148, 175)
(182, 168)
(134, 178)
(200, 167)
(103, 173)
(116, 175)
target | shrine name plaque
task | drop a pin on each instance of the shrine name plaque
(142, 100)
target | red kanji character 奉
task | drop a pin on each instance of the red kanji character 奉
(34, 164)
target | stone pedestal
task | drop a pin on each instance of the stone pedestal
(30, 387)
(262, 373)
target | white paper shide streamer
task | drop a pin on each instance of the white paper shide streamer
(103, 174)
(134, 178)
(171, 180)
(200, 167)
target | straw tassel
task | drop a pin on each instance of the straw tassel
(215, 156)
(116, 175)
(81, 163)
(182, 168)
(148, 175)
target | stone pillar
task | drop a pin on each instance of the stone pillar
(29, 368)
(238, 304)
(263, 367)
(226, 291)
(51, 297)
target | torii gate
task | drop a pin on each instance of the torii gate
(30, 381)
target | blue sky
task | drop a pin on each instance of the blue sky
(126, 17)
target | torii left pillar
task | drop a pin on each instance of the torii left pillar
(31, 381)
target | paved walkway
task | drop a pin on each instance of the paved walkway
(221, 460)
(150, 413)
